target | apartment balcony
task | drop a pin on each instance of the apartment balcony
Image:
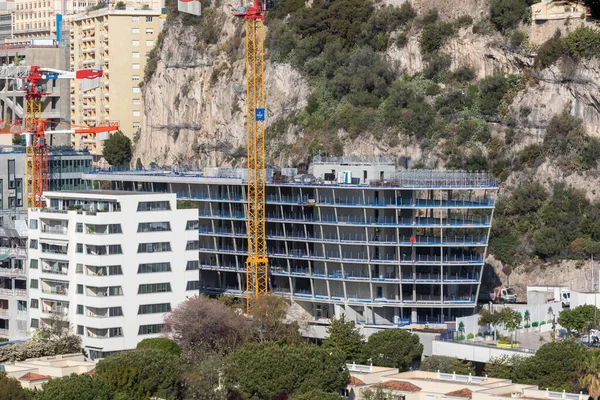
(89, 62)
(3, 312)
(52, 308)
(12, 252)
(56, 229)
(54, 267)
(4, 332)
(10, 272)
(13, 292)
(54, 248)
(106, 333)
(54, 287)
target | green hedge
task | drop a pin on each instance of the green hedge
(535, 324)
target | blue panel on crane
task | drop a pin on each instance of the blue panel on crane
(51, 76)
(260, 114)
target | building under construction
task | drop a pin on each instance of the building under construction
(357, 237)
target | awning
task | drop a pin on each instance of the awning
(54, 242)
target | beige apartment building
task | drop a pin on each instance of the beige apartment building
(118, 41)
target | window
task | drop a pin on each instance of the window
(135, 19)
(136, 102)
(80, 329)
(154, 288)
(115, 270)
(136, 90)
(115, 332)
(193, 285)
(135, 54)
(79, 289)
(35, 303)
(148, 19)
(135, 31)
(135, 43)
(156, 267)
(80, 309)
(154, 226)
(154, 308)
(33, 264)
(150, 329)
(136, 113)
(33, 244)
(154, 206)
(21, 305)
(114, 228)
(79, 269)
(115, 291)
(11, 174)
(135, 77)
(33, 224)
(149, 31)
(192, 245)
(79, 227)
(115, 312)
(192, 225)
(35, 323)
(115, 249)
(79, 248)
(149, 43)
(135, 66)
(192, 265)
(33, 284)
(136, 125)
(154, 247)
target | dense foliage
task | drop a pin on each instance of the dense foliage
(141, 374)
(76, 386)
(579, 318)
(582, 42)
(343, 335)
(117, 149)
(395, 348)
(507, 14)
(265, 370)
(164, 344)
(447, 365)
(11, 389)
(555, 366)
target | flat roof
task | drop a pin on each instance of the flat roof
(92, 193)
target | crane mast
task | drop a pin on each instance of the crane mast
(257, 263)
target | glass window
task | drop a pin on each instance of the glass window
(115, 270)
(192, 245)
(33, 244)
(154, 288)
(192, 225)
(135, 66)
(154, 206)
(114, 228)
(80, 309)
(192, 265)
(79, 289)
(150, 329)
(33, 224)
(154, 227)
(80, 329)
(79, 248)
(115, 291)
(193, 285)
(149, 43)
(148, 19)
(154, 247)
(135, 54)
(21, 305)
(79, 269)
(135, 43)
(136, 113)
(156, 267)
(33, 284)
(135, 19)
(154, 308)
(33, 264)
(35, 303)
(115, 312)
(115, 249)
(79, 227)
(135, 31)
(149, 31)
(136, 90)
(35, 323)
(115, 332)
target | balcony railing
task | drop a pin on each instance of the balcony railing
(12, 272)
(55, 271)
(13, 292)
(61, 230)
(51, 290)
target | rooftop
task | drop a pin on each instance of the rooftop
(32, 376)
(399, 385)
(465, 393)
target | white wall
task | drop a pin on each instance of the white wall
(473, 352)
(129, 218)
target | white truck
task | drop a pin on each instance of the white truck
(545, 294)
(499, 295)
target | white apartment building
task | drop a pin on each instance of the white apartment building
(112, 263)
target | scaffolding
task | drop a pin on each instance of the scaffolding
(439, 179)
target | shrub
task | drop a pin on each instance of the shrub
(491, 91)
(470, 336)
(527, 326)
(550, 51)
(435, 35)
(517, 38)
(464, 20)
(401, 40)
(164, 344)
(542, 323)
(506, 14)
(583, 42)
(464, 74)
(535, 324)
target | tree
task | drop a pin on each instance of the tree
(120, 6)
(555, 366)
(502, 367)
(164, 344)
(511, 320)
(141, 374)
(580, 318)
(316, 394)
(527, 318)
(590, 369)
(75, 386)
(202, 327)
(117, 149)
(461, 330)
(267, 369)
(380, 394)
(11, 389)
(343, 335)
(201, 380)
(268, 320)
(487, 318)
(447, 365)
(138, 164)
(506, 14)
(395, 348)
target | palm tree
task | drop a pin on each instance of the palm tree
(590, 369)
(461, 331)
(527, 317)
